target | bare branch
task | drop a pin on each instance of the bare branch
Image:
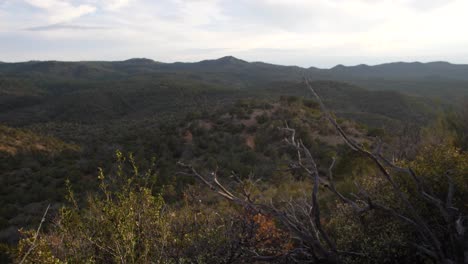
(36, 235)
(316, 211)
(450, 191)
(217, 188)
(424, 230)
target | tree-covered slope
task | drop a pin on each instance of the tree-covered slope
(245, 138)
(39, 92)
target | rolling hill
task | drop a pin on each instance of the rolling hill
(38, 92)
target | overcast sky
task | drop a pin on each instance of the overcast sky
(319, 33)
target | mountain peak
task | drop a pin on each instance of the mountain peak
(140, 60)
(338, 67)
(440, 63)
(224, 61)
(230, 59)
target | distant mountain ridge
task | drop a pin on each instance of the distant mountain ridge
(405, 71)
(95, 91)
(433, 65)
(433, 79)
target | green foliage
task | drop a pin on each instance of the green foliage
(40, 253)
(126, 222)
(457, 121)
(381, 236)
(440, 164)
(118, 225)
(380, 239)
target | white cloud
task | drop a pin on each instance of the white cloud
(114, 5)
(58, 11)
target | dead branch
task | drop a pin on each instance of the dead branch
(434, 244)
(36, 235)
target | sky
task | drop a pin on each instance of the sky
(320, 33)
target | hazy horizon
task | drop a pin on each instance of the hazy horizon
(305, 33)
(292, 65)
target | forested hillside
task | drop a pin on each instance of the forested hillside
(90, 92)
(217, 162)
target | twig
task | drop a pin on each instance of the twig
(33, 245)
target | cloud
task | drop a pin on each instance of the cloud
(116, 4)
(427, 5)
(65, 27)
(109, 5)
(59, 11)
